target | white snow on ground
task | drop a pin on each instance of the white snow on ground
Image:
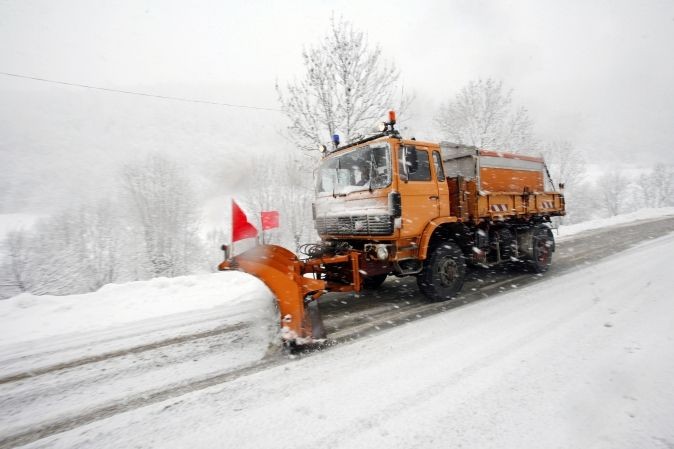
(583, 360)
(28, 317)
(602, 223)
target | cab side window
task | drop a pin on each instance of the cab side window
(423, 168)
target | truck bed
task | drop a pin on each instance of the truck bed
(494, 185)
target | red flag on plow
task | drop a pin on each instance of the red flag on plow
(270, 219)
(241, 227)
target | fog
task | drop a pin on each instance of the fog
(598, 74)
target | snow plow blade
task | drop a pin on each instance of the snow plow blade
(296, 293)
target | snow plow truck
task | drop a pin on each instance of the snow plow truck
(386, 205)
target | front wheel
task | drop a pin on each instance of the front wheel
(443, 273)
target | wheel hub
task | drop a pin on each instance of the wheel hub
(447, 270)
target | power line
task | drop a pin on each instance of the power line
(142, 94)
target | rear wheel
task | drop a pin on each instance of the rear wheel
(542, 247)
(443, 273)
(374, 282)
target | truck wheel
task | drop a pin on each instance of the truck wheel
(443, 273)
(374, 282)
(542, 246)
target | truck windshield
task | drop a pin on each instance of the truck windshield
(365, 168)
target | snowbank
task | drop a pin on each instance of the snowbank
(643, 214)
(239, 296)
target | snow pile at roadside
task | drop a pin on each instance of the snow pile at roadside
(238, 296)
(642, 214)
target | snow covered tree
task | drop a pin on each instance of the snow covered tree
(612, 188)
(163, 209)
(296, 202)
(482, 114)
(58, 251)
(565, 162)
(152, 231)
(15, 271)
(347, 89)
(566, 165)
(656, 189)
(284, 188)
(663, 185)
(213, 253)
(583, 202)
(106, 258)
(54, 258)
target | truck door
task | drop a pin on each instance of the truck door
(443, 187)
(418, 189)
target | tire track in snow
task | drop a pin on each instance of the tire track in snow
(495, 351)
(382, 312)
(119, 353)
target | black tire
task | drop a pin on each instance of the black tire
(542, 246)
(374, 282)
(443, 273)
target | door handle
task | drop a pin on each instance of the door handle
(433, 197)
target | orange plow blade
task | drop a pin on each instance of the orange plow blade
(296, 295)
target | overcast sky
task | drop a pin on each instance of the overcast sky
(600, 73)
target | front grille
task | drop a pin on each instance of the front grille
(356, 225)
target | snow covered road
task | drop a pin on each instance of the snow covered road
(582, 359)
(399, 300)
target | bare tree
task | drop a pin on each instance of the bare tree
(15, 271)
(565, 162)
(297, 201)
(284, 185)
(583, 202)
(163, 208)
(59, 256)
(213, 253)
(346, 89)
(613, 187)
(57, 253)
(482, 114)
(153, 231)
(106, 258)
(656, 189)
